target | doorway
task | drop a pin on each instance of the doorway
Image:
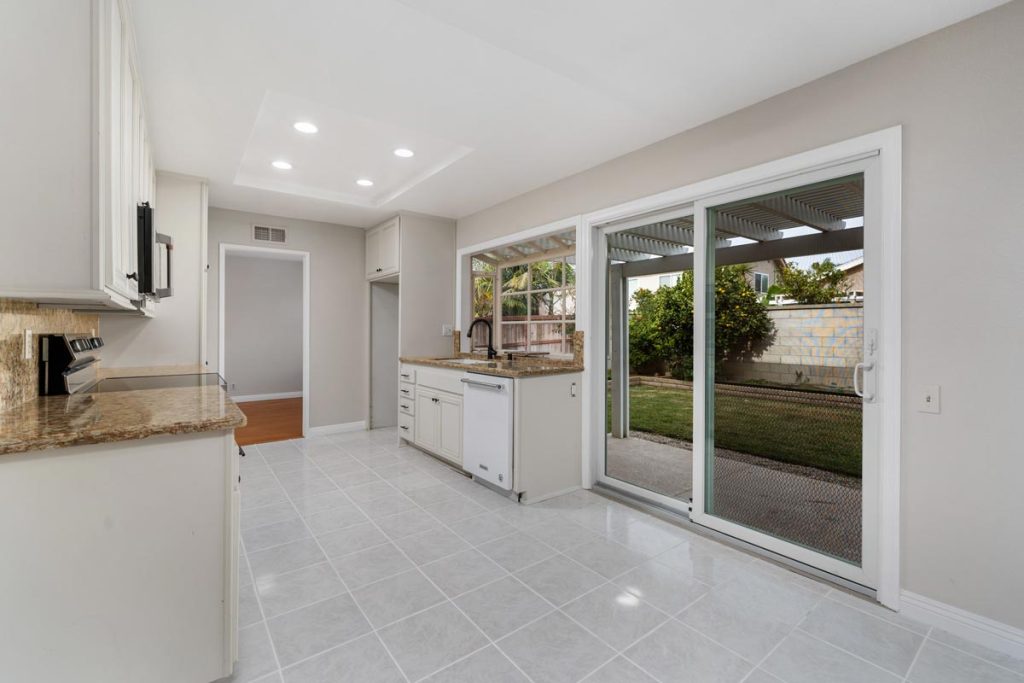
(744, 340)
(384, 302)
(263, 339)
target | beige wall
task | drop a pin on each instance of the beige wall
(172, 336)
(263, 325)
(427, 285)
(959, 94)
(338, 307)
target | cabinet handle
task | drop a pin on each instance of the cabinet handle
(133, 276)
(405, 428)
(405, 406)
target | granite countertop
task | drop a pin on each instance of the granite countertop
(520, 367)
(60, 421)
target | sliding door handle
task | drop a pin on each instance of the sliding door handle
(858, 371)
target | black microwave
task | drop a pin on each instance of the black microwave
(154, 274)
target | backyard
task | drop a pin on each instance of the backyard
(827, 437)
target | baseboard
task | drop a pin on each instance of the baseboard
(266, 397)
(338, 428)
(969, 626)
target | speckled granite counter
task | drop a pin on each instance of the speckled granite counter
(520, 367)
(60, 421)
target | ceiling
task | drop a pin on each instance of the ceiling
(495, 98)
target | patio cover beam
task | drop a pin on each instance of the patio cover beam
(799, 212)
(807, 245)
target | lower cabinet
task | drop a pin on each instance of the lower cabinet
(439, 423)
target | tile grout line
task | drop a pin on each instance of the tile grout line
(436, 587)
(855, 655)
(343, 583)
(259, 600)
(917, 655)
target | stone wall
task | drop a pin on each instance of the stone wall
(817, 345)
(19, 378)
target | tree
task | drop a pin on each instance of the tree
(822, 283)
(661, 325)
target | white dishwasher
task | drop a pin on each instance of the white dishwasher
(487, 428)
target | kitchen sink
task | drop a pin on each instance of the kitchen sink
(472, 361)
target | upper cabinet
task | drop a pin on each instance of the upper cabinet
(382, 249)
(83, 138)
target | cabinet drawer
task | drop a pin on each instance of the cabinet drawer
(406, 391)
(407, 374)
(440, 379)
(406, 405)
(406, 426)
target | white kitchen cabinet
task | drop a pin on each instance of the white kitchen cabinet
(430, 410)
(428, 420)
(79, 244)
(449, 440)
(382, 249)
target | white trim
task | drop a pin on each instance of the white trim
(463, 264)
(887, 145)
(272, 252)
(341, 428)
(248, 398)
(973, 627)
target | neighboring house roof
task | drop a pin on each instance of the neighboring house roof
(854, 263)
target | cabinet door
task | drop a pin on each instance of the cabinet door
(428, 420)
(450, 436)
(130, 172)
(112, 182)
(373, 254)
(388, 247)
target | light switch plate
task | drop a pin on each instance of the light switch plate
(446, 330)
(27, 354)
(930, 399)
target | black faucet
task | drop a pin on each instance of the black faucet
(491, 353)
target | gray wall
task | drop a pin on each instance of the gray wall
(263, 325)
(428, 284)
(959, 94)
(338, 307)
(384, 303)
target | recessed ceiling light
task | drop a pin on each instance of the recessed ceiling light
(404, 152)
(364, 182)
(281, 165)
(306, 127)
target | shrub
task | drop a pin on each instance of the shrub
(661, 325)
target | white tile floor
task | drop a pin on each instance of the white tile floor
(367, 562)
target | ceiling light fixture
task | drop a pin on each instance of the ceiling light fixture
(306, 127)
(404, 152)
(364, 182)
(281, 165)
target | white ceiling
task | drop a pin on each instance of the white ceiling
(497, 98)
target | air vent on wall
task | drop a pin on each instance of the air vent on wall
(263, 233)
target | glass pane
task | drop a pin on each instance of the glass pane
(784, 426)
(514, 278)
(514, 336)
(483, 297)
(547, 337)
(513, 307)
(546, 274)
(567, 303)
(480, 266)
(545, 305)
(650, 395)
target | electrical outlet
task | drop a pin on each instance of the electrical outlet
(29, 346)
(930, 399)
(446, 330)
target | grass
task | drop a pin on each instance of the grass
(826, 437)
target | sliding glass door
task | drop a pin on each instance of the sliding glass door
(786, 419)
(740, 339)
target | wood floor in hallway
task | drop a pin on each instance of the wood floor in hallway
(276, 420)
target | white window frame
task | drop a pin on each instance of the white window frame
(767, 280)
(500, 295)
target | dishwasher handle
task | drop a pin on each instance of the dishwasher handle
(478, 383)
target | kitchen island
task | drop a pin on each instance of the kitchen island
(119, 529)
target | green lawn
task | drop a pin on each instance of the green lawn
(826, 437)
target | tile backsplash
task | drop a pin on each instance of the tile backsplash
(19, 381)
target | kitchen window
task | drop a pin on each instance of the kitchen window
(535, 306)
